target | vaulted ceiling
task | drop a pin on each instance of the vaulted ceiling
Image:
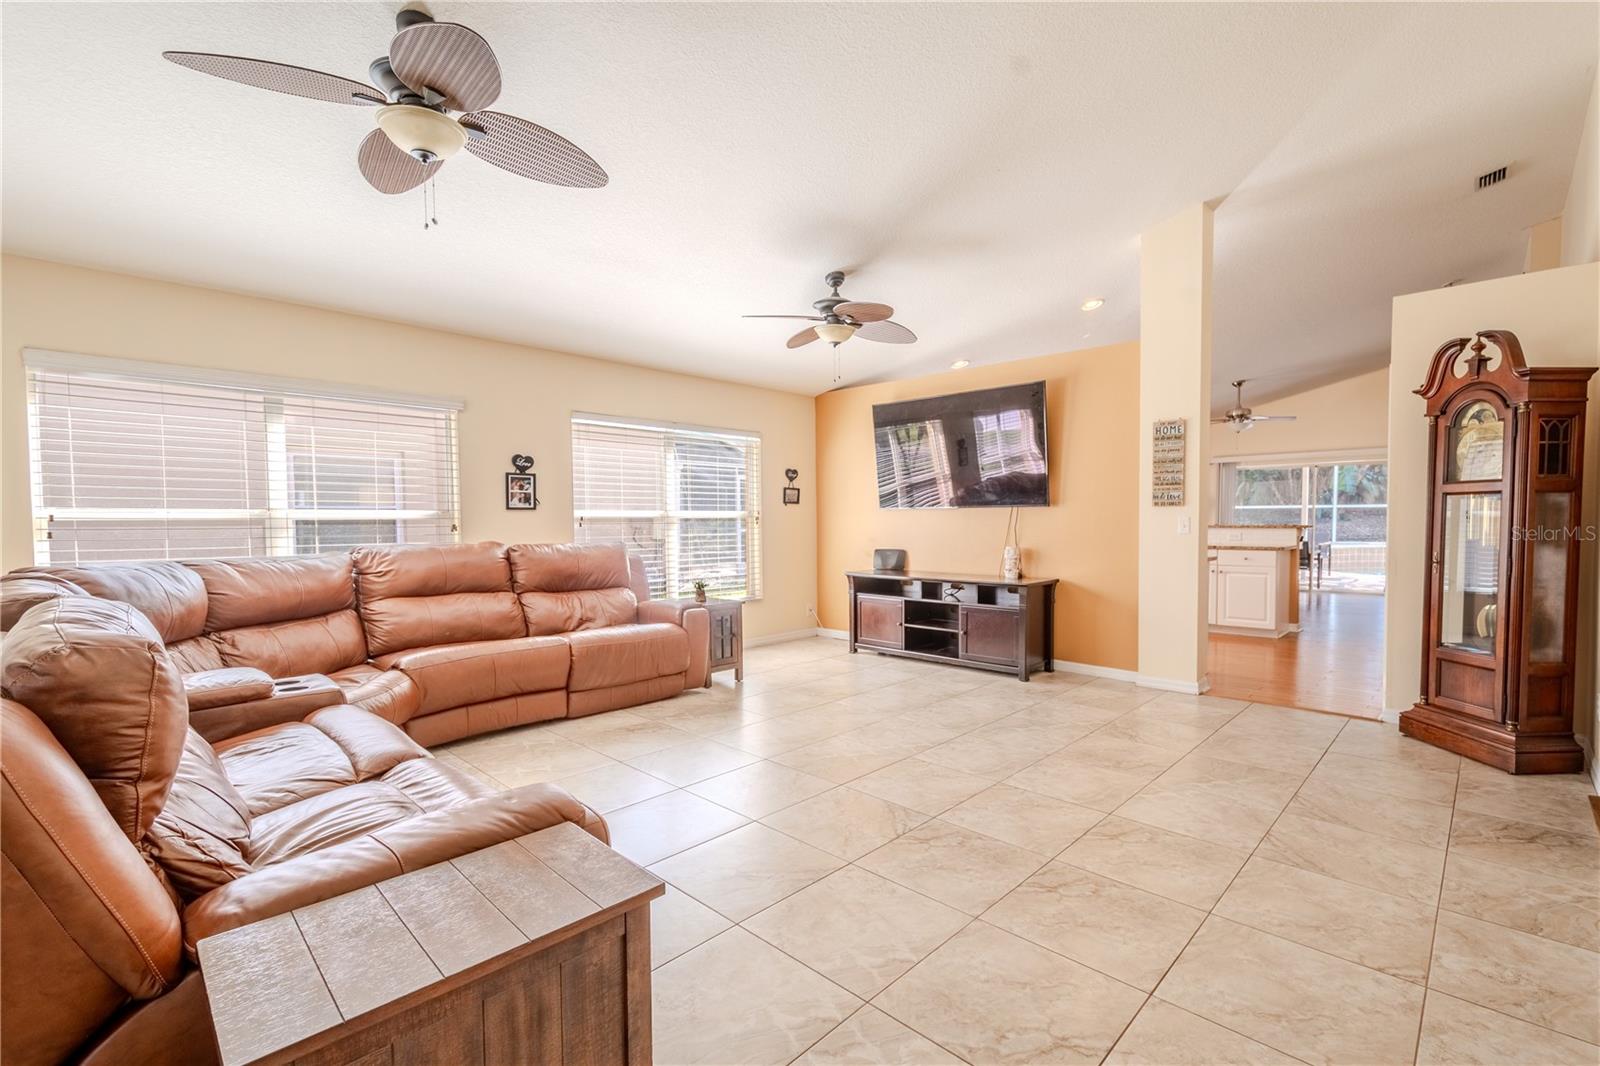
(984, 168)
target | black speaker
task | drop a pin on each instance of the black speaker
(889, 559)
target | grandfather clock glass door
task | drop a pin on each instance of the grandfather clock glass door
(1469, 580)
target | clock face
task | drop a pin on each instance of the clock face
(1477, 444)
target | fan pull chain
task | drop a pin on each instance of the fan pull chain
(430, 216)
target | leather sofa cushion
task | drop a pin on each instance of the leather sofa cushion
(389, 694)
(22, 590)
(319, 645)
(475, 719)
(372, 745)
(284, 764)
(200, 834)
(196, 654)
(322, 821)
(549, 613)
(567, 567)
(254, 592)
(218, 688)
(620, 655)
(169, 594)
(415, 596)
(631, 694)
(63, 848)
(95, 673)
(458, 674)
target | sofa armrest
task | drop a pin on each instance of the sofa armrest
(231, 684)
(696, 622)
(388, 852)
(290, 700)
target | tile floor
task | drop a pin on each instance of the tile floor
(879, 861)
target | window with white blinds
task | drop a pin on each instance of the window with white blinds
(144, 461)
(686, 499)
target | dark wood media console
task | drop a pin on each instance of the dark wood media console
(989, 623)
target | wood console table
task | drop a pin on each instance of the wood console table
(534, 950)
(983, 622)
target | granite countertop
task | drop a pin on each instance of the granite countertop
(1255, 547)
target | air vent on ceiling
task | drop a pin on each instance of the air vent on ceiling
(1494, 177)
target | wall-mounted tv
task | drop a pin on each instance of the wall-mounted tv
(970, 449)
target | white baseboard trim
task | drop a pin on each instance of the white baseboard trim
(833, 634)
(780, 638)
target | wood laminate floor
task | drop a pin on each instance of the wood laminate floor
(1335, 663)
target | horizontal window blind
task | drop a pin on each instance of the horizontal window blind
(687, 500)
(134, 461)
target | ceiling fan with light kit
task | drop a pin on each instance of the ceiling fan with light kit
(430, 92)
(1240, 417)
(839, 319)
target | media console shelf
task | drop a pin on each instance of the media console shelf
(989, 623)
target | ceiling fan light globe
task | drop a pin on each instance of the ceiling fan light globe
(422, 132)
(835, 333)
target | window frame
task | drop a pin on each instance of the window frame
(279, 516)
(673, 518)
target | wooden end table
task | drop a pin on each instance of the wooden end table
(533, 950)
(727, 634)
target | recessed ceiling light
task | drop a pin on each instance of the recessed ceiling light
(1094, 303)
(960, 364)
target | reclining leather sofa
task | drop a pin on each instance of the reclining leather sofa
(128, 837)
(445, 642)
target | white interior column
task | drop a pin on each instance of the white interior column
(1174, 382)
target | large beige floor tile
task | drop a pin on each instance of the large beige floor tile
(922, 786)
(1383, 740)
(634, 739)
(1301, 1001)
(1362, 858)
(845, 822)
(1080, 780)
(738, 1000)
(1268, 752)
(760, 789)
(1457, 1033)
(870, 1037)
(956, 866)
(546, 759)
(857, 929)
(1126, 932)
(1029, 820)
(1169, 864)
(747, 870)
(992, 997)
(1145, 726)
(1538, 980)
(1398, 779)
(773, 736)
(1164, 1035)
(648, 832)
(696, 760)
(678, 923)
(1414, 821)
(1377, 930)
(607, 788)
(1524, 845)
(1101, 748)
(1201, 814)
(1290, 723)
(987, 754)
(1551, 907)
(1563, 806)
(842, 758)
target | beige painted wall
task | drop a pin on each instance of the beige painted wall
(1175, 382)
(1084, 537)
(518, 399)
(1580, 218)
(1556, 316)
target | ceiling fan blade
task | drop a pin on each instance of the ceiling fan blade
(451, 60)
(279, 77)
(388, 169)
(802, 318)
(886, 332)
(864, 312)
(1273, 418)
(805, 336)
(531, 151)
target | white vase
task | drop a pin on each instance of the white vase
(1011, 566)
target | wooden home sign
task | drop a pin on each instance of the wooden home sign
(1167, 466)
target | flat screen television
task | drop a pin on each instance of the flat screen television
(970, 449)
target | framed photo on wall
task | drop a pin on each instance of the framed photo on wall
(522, 492)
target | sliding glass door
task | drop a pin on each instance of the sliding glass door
(1343, 504)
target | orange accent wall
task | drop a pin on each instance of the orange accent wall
(1088, 536)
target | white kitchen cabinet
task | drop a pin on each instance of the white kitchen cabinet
(1211, 593)
(1248, 592)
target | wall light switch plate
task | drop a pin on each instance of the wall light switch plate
(1183, 525)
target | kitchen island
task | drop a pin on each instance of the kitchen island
(1254, 581)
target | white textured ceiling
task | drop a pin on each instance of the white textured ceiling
(983, 168)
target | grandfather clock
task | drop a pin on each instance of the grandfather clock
(1500, 614)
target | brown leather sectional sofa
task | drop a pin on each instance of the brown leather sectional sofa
(163, 781)
(445, 642)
